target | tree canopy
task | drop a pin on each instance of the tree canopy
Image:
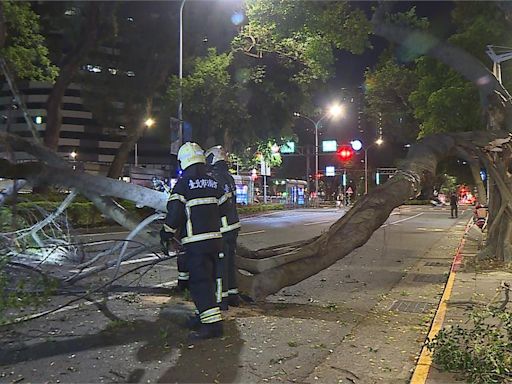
(22, 44)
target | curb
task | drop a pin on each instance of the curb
(424, 362)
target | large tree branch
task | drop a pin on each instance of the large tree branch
(39, 173)
(357, 226)
(104, 204)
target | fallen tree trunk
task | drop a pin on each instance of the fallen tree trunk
(105, 205)
(271, 269)
(39, 173)
(356, 227)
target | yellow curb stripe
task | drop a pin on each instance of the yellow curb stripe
(425, 361)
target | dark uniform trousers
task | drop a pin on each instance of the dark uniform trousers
(201, 267)
(229, 283)
(185, 273)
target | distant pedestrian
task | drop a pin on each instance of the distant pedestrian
(453, 205)
(339, 199)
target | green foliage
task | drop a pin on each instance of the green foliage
(408, 19)
(5, 218)
(388, 88)
(18, 293)
(256, 208)
(250, 158)
(303, 32)
(481, 351)
(79, 213)
(212, 99)
(479, 24)
(443, 100)
(25, 48)
(426, 96)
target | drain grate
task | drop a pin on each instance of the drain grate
(430, 278)
(411, 306)
(437, 264)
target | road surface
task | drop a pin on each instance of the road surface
(339, 325)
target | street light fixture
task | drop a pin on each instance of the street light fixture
(73, 156)
(333, 111)
(377, 142)
(148, 123)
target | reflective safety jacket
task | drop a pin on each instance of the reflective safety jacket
(230, 221)
(194, 209)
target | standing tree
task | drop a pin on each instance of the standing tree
(70, 48)
(134, 65)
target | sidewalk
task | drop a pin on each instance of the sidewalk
(464, 287)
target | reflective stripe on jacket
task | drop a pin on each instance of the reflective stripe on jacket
(194, 209)
(229, 221)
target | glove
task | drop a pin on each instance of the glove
(164, 242)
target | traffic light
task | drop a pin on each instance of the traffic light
(345, 153)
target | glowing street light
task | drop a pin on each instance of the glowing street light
(73, 155)
(149, 122)
(333, 111)
(377, 142)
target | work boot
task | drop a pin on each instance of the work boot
(207, 331)
(193, 323)
(224, 304)
(234, 300)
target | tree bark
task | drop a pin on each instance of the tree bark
(287, 267)
(135, 132)
(39, 173)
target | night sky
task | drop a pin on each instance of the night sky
(218, 30)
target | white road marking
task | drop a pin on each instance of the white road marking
(318, 222)
(402, 220)
(250, 233)
(134, 261)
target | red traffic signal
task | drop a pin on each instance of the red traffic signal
(345, 152)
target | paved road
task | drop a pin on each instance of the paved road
(336, 326)
(420, 225)
(288, 226)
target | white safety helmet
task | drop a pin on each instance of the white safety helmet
(190, 153)
(215, 154)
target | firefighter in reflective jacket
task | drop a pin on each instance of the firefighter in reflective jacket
(230, 224)
(194, 209)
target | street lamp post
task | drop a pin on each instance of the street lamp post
(73, 156)
(180, 104)
(379, 141)
(333, 111)
(148, 123)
